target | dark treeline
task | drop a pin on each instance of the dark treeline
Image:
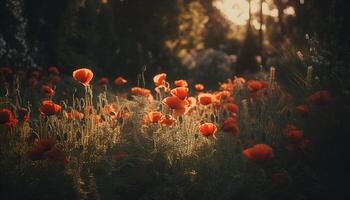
(123, 36)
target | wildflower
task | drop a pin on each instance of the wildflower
(180, 92)
(137, 91)
(167, 120)
(35, 74)
(46, 149)
(259, 153)
(230, 125)
(83, 75)
(231, 107)
(159, 79)
(152, 117)
(48, 90)
(321, 97)
(208, 129)
(178, 106)
(306, 145)
(254, 85)
(53, 70)
(103, 81)
(199, 87)
(294, 136)
(119, 81)
(5, 115)
(181, 83)
(7, 118)
(74, 114)
(49, 108)
(227, 87)
(302, 110)
(5, 71)
(205, 98)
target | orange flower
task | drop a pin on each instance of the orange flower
(49, 108)
(180, 92)
(83, 75)
(48, 90)
(205, 98)
(321, 97)
(199, 87)
(181, 83)
(174, 102)
(137, 91)
(294, 136)
(159, 79)
(152, 117)
(103, 81)
(74, 115)
(167, 120)
(254, 85)
(119, 81)
(224, 94)
(227, 87)
(231, 107)
(53, 70)
(259, 153)
(302, 110)
(230, 125)
(208, 129)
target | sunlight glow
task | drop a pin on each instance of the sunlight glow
(237, 11)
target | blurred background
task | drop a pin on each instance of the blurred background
(212, 39)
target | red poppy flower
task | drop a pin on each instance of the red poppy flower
(293, 134)
(254, 85)
(35, 74)
(83, 75)
(303, 110)
(181, 83)
(137, 91)
(208, 129)
(230, 125)
(152, 117)
(119, 81)
(259, 153)
(48, 90)
(74, 115)
(103, 81)
(227, 87)
(199, 87)
(321, 97)
(180, 92)
(53, 70)
(5, 115)
(175, 102)
(159, 79)
(167, 120)
(306, 145)
(231, 107)
(6, 71)
(49, 108)
(205, 98)
(46, 149)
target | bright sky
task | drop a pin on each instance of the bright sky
(237, 11)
